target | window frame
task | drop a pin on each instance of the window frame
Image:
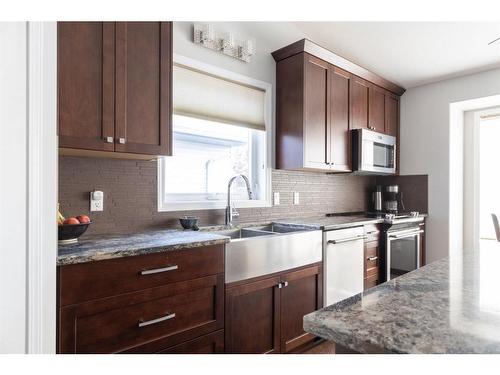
(167, 206)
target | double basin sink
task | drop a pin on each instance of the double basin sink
(263, 250)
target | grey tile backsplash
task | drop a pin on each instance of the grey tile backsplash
(130, 195)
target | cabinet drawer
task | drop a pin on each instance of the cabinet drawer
(371, 258)
(87, 281)
(371, 281)
(213, 343)
(372, 232)
(163, 316)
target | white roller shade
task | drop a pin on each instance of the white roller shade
(198, 94)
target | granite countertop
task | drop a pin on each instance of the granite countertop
(101, 247)
(93, 248)
(331, 222)
(449, 306)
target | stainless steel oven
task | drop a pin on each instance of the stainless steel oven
(373, 152)
(403, 249)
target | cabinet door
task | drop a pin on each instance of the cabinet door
(391, 115)
(85, 63)
(376, 109)
(143, 82)
(316, 113)
(302, 295)
(339, 139)
(359, 103)
(252, 317)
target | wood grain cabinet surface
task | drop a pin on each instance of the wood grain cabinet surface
(320, 97)
(115, 87)
(265, 315)
(129, 309)
(372, 256)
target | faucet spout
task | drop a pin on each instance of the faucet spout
(230, 211)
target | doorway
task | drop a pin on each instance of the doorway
(489, 172)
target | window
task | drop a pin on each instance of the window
(211, 145)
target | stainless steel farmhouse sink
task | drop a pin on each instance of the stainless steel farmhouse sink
(262, 250)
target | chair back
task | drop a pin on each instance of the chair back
(497, 227)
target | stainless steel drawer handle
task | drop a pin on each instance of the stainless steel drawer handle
(109, 140)
(408, 234)
(121, 141)
(159, 270)
(333, 242)
(157, 320)
(372, 258)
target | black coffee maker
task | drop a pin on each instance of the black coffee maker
(393, 199)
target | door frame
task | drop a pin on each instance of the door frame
(42, 176)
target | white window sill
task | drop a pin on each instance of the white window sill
(210, 205)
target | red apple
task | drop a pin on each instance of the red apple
(71, 221)
(83, 219)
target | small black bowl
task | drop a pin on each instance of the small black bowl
(69, 233)
(189, 222)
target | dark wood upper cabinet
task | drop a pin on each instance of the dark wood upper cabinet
(316, 114)
(252, 317)
(338, 138)
(312, 115)
(376, 109)
(85, 65)
(320, 97)
(115, 84)
(391, 115)
(265, 315)
(143, 80)
(359, 103)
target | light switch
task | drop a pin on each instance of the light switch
(276, 198)
(96, 200)
(296, 198)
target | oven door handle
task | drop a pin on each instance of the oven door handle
(404, 235)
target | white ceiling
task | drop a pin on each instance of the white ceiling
(411, 53)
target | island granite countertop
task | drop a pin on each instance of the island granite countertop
(101, 247)
(449, 306)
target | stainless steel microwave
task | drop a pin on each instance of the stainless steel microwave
(373, 152)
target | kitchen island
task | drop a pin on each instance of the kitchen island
(449, 306)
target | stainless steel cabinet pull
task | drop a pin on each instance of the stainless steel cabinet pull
(282, 284)
(159, 270)
(285, 284)
(408, 234)
(121, 141)
(109, 139)
(372, 258)
(157, 320)
(346, 240)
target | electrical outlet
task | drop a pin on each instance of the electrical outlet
(276, 198)
(296, 199)
(96, 201)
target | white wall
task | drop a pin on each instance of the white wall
(13, 187)
(269, 37)
(430, 145)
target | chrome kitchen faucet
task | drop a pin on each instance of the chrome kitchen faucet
(230, 210)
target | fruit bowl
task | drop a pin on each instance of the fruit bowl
(69, 233)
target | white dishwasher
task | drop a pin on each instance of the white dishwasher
(343, 262)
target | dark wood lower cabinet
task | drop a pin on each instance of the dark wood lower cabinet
(252, 317)
(213, 343)
(165, 302)
(266, 315)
